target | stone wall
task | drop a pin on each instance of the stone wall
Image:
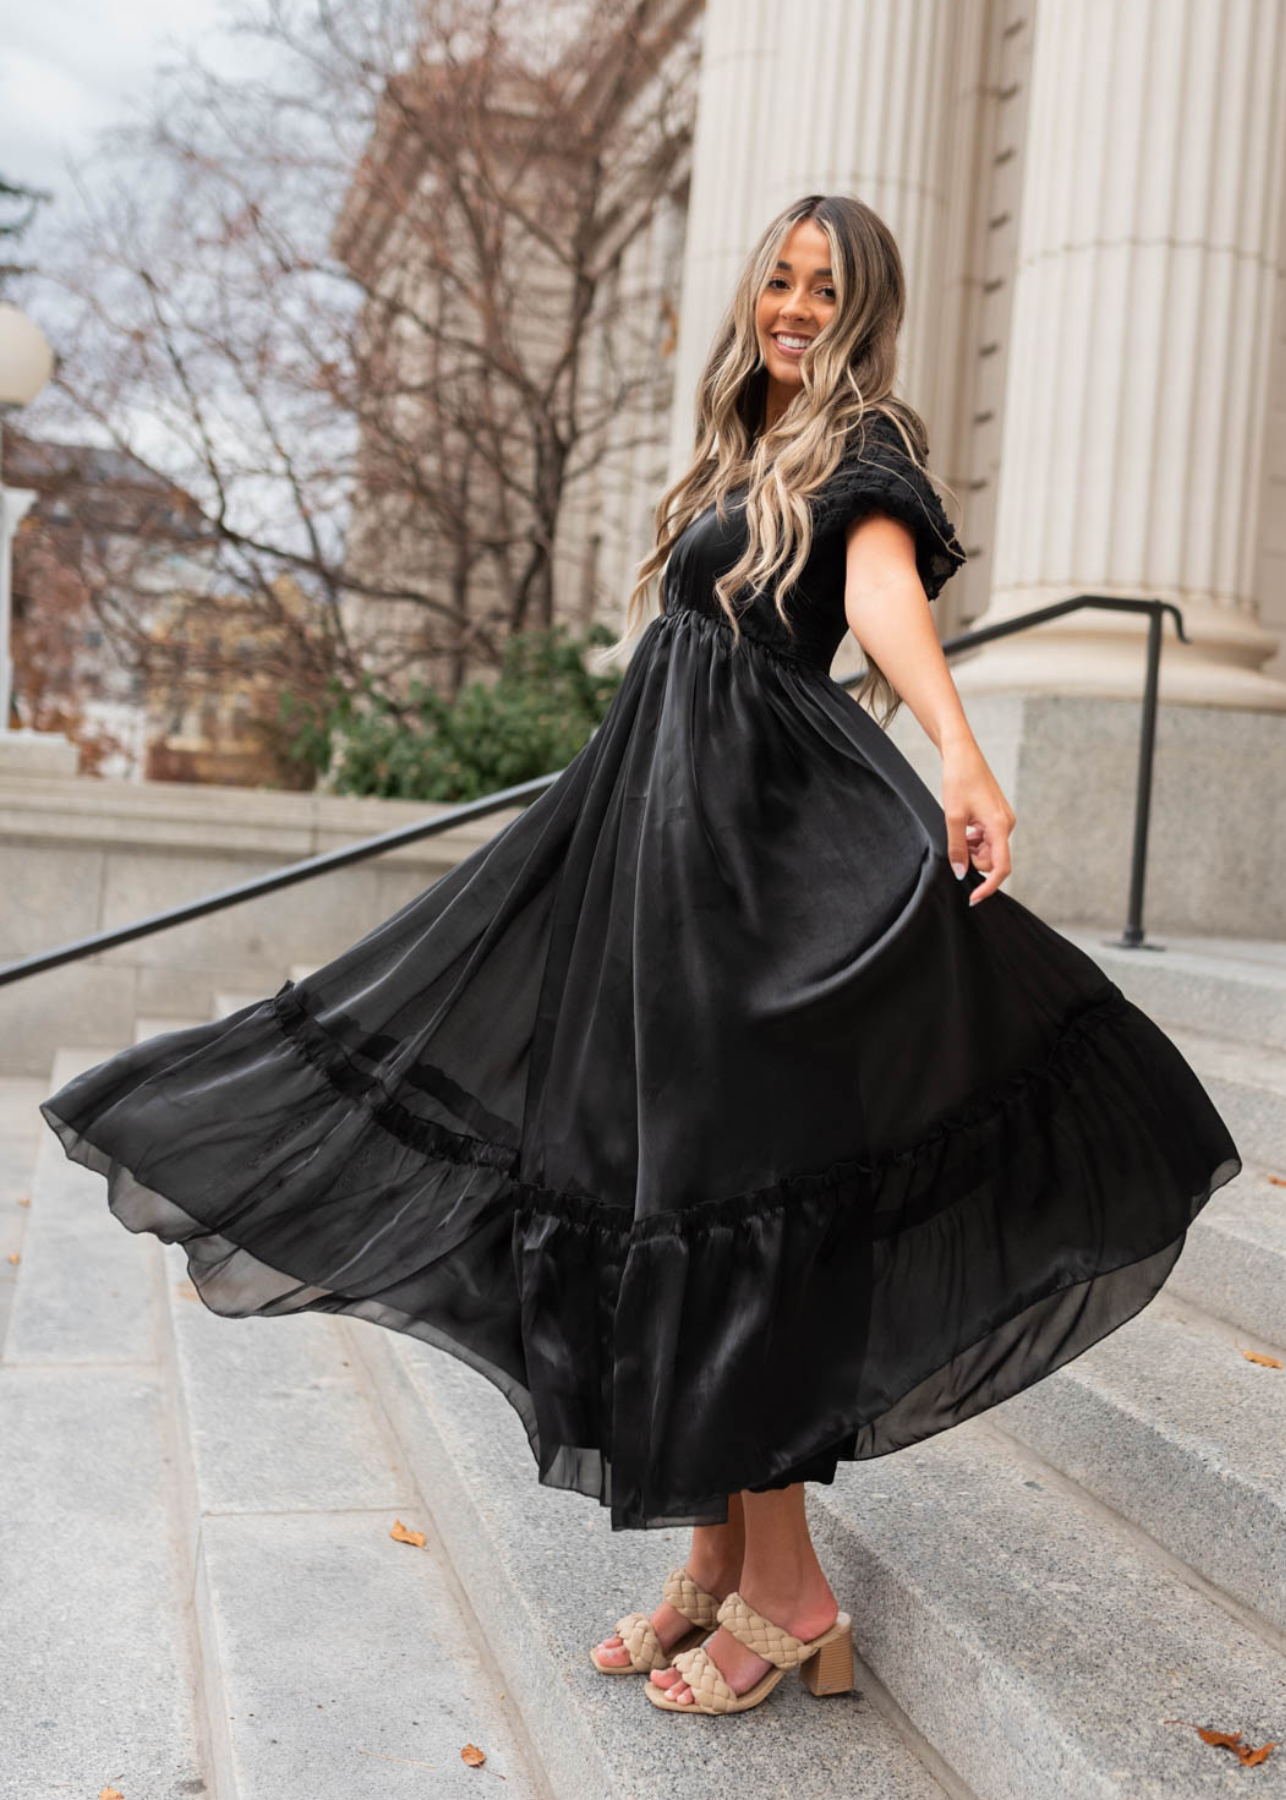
(80, 855)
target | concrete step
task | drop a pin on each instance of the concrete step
(1223, 1002)
(548, 1578)
(1248, 1085)
(1034, 1637)
(1172, 1427)
(99, 1672)
(335, 1659)
(1015, 1637)
(1233, 987)
(1233, 1264)
(21, 1127)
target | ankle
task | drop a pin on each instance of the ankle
(718, 1575)
(780, 1588)
(716, 1560)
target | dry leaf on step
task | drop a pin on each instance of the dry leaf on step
(1230, 1740)
(1269, 1362)
(110, 1793)
(404, 1536)
(473, 1756)
(14, 1257)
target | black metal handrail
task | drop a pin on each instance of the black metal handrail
(309, 867)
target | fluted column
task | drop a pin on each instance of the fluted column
(825, 96)
(1143, 321)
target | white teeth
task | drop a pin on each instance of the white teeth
(791, 343)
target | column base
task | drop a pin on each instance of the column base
(1068, 765)
(1104, 654)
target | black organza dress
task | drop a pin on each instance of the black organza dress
(697, 1110)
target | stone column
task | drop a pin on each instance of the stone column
(825, 96)
(1135, 405)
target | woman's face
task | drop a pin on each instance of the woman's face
(797, 300)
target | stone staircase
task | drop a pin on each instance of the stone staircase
(202, 1596)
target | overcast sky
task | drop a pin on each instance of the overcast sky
(69, 67)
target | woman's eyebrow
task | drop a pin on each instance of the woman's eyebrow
(786, 265)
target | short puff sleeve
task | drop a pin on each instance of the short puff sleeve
(884, 478)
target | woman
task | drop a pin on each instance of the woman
(721, 1109)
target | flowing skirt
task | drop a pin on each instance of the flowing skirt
(697, 1110)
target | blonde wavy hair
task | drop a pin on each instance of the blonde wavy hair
(847, 372)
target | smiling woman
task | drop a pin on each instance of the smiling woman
(701, 1109)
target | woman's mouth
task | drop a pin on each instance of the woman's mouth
(790, 343)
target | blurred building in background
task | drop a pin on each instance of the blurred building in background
(122, 636)
(520, 240)
(1088, 200)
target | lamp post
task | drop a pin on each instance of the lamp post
(26, 363)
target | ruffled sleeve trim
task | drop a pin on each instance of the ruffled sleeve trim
(883, 478)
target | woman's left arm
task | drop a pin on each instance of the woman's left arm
(888, 613)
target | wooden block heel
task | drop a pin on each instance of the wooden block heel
(825, 1662)
(830, 1670)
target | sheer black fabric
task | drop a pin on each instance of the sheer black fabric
(697, 1109)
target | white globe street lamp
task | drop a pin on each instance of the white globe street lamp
(26, 363)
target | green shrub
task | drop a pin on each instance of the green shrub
(534, 717)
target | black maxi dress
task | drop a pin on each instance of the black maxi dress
(697, 1109)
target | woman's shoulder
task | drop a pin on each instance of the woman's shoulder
(880, 470)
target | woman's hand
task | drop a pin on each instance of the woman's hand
(979, 818)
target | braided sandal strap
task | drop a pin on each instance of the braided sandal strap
(710, 1690)
(638, 1634)
(760, 1634)
(689, 1597)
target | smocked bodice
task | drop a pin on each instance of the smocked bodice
(814, 606)
(874, 475)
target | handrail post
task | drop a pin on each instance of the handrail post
(1132, 937)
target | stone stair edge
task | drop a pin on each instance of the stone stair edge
(533, 1558)
(456, 1408)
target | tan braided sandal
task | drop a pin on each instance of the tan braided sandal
(638, 1633)
(825, 1662)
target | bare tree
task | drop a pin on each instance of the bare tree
(346, 303)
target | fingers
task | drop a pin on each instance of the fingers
(986, 845)
(998, 867)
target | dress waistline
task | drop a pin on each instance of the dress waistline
(795, 659)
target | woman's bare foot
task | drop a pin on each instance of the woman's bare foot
(780, 1577)
(714, 1560)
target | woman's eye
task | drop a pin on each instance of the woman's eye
(827, 293)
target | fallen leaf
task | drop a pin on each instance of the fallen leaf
(404, 1536)
(110, 1793)
(473, 1756)
(14, 1257)
(1280, 1180)
(26, 1201)
(186, 1291)
(1269, 1362)
(1229, 1740)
